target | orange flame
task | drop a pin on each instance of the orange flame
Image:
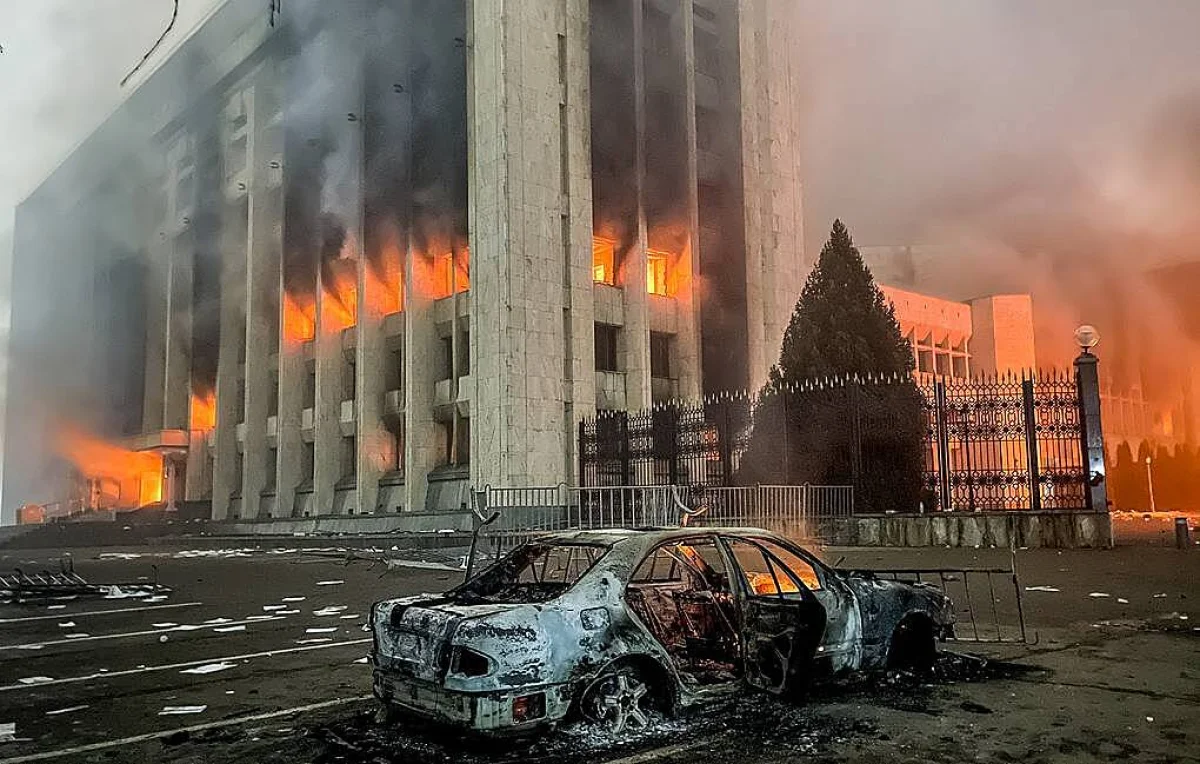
(451, 272)
(204, 411)
(299, 320)
(339, 305)
(137, 475)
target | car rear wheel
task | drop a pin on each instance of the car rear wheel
(619, 700)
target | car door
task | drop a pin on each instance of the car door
(782, 623)
(842, 644)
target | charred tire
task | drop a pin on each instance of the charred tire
(914, 643)
(620, 699)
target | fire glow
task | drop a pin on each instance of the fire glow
(339, 306)
(299, 319)
(137, 475)
(203, 411)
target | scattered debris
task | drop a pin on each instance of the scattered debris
(272, 608)
(66, 625)
(68, 710)
(1040, 589)
(218, 621)
(36, 680)
(334, 582)
(328, 630)
(20, 587)
(293, 599)
(227, 629)
(1099, 595)
(1160, 596)
(182, 710)
(1122, 601)
(167, 625)
(327, 611)
(209, 668)
(313, 641)
(8, 732)
(77, 636)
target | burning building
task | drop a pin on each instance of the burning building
(350, 262)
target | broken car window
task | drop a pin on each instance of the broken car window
(800, 567)
(532, 573)
(764, 575)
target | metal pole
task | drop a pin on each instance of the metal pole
(1150, 484)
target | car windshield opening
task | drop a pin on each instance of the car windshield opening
(534, 572)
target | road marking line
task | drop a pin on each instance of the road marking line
(193, 728)
(656, 753)
(188, 664)
(184, 628)
(98, 612)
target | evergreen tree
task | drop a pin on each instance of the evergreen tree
(867, 434)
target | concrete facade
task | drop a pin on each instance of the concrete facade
(986, 336)
(426, 340)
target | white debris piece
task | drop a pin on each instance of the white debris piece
(351, 617)
(167, 625)
(68, 710)
(219, 621)
(1099, 595)
(287, 612)
(1122, 601)
(227, 629)
(1160, 596)
(313, 640)
(181, 710)
(117, 556)
(361, 660)
(271, 608)
(327, 611)
(189, 627)
(1150, 718)
(209, 668)
(8, 732)
(293, 599)
(260, 617)
(64, 607)
(334, 582)
(35, 680)
(163, 639)
(156, 598)
(329, 630)
(66, 625)
(76, 636)
(1040, 589)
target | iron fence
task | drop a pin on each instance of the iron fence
(989, 443)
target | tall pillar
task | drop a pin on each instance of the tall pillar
(1092, 432)
(262, 291)
(423, 439)
(687, 297)
(342, 197)
(177, 381)
(636, 332)
(521, 58)
(157, 322)
(771, 175)
(230, 356)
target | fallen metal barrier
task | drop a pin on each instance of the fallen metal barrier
(20, 588)
(1001, 619)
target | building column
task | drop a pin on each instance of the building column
(635, 334)
(230, 356)
(775, 262)
(423, 439)
(157, 321)
(521, 160)
(687, 298)
(177, 382)
(265, 246)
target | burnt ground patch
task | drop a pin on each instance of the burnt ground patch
(748, 725)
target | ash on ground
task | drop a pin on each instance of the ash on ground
(750, 723)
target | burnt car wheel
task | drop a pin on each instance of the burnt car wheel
(618, 700)
(914, 644)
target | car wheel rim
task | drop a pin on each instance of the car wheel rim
(617, 703)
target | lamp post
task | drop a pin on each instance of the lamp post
(1091, 433)
(1150, 483)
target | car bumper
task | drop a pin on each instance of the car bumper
(484, 712)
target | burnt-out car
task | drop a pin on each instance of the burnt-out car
(609, 625)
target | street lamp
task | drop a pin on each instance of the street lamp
(1150, 483)
(1087, 337)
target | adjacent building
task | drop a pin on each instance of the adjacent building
(353, 258)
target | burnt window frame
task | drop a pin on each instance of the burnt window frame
(608, 360)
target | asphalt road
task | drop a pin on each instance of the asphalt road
(1113, 677)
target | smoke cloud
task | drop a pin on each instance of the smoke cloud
(1053, 147)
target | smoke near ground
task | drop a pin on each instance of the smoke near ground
(1055, 146)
